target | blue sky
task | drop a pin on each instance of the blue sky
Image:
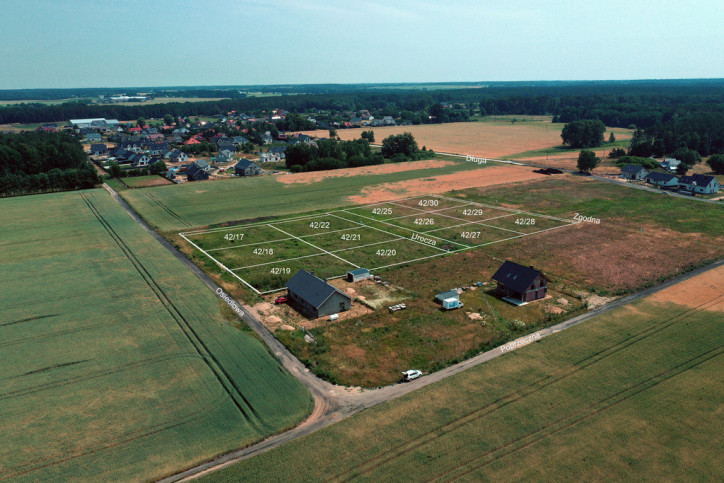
(98, 43)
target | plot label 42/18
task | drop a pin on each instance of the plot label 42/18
(263, 251)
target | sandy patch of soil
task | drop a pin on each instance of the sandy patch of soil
(444, 183)
(316, 176)
(704, 291)
(492, 140)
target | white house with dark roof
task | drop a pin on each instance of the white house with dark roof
(634, 171)
(700, 183)
(664, 180)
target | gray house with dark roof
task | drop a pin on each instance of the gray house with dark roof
(519, 284)
(700, 183)
(665, 180)
(315, 297)
(98, 149)
(198, 171)
(247, 168)
(634, 171)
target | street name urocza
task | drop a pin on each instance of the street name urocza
(230, 301)
(520, 342)
(422, 239)
(473, 159)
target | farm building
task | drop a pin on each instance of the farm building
(670, 164)
(247, 168)
(314, 296)
(700, 183)
(198, 171)
(634, 171)
(358, 274)
(665, 180)
(446, 295)
(519, 284)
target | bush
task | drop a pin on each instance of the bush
(647, 163)
(716, 163)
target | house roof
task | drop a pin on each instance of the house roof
(632, 168)
(311, 288)
(244, 163)
(660, 176)
(698, 179)
(98, 147)
(516, 277)
(197, 166)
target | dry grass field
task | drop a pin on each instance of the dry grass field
(491, 138)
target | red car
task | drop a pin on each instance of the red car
(281, 300)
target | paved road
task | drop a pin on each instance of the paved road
(334, 403)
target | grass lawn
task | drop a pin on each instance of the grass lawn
(117, 362)
(635, 394)
(197, 204)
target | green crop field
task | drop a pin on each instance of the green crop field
(632, 395)
(117, 362)
(180, 207)
(263, 255)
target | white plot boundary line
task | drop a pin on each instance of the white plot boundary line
(220, 264)
(314, 246)
(396, 237)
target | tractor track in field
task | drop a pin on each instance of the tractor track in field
(222, 376)
(581, 415)
(335, 403)
(534, 387)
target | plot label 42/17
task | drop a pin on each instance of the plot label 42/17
(234, 236)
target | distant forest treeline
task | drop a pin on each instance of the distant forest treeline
(33, 162)
(643, 103)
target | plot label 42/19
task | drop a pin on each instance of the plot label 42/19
(280, 271)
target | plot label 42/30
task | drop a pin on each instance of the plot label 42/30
(428, 203)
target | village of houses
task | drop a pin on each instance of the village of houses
(234, 154)
(137, 147)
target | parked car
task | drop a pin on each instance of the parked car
(411, 374)
(280, 300)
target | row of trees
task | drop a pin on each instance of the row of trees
(39, 162)
(335, 154)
